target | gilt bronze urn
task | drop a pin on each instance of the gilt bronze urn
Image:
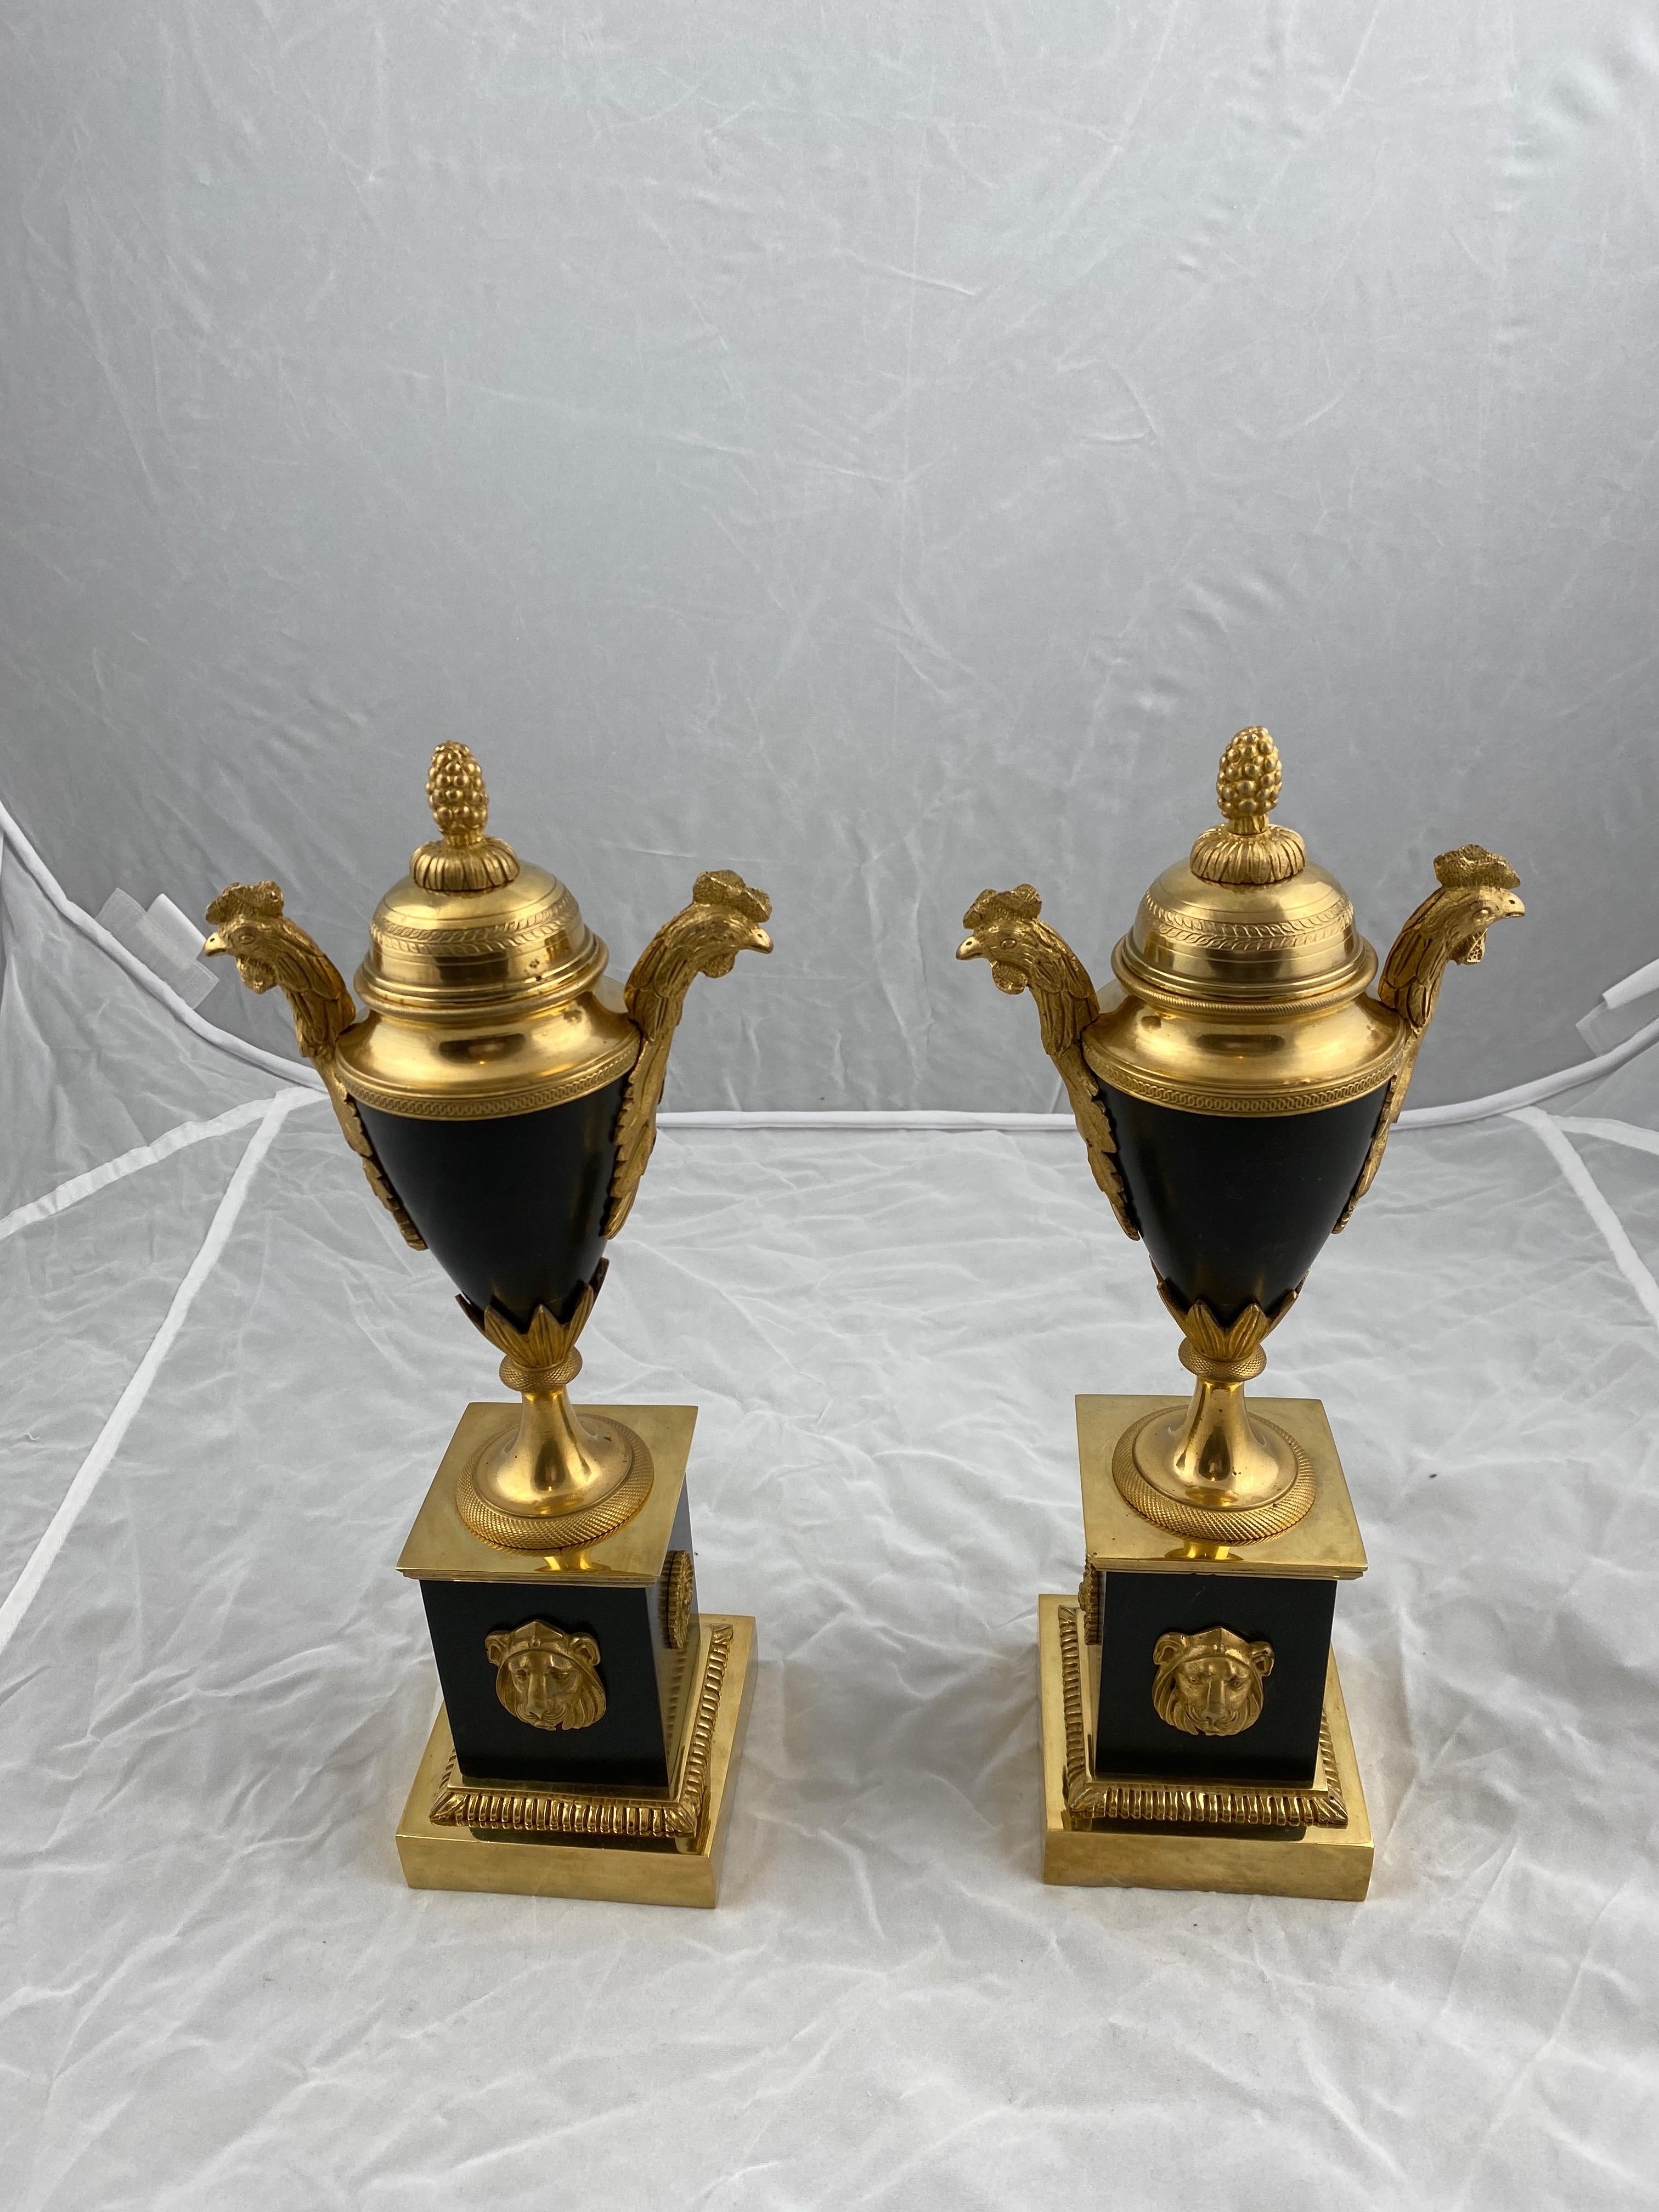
(1234, 1087)
(501, 1093)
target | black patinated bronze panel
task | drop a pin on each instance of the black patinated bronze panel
(1292, 1615)
(627, 1747)
(511, 1207)
(1234, 1208)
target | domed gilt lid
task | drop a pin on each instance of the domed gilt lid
(1244, 976)
(471, 926)
(487, 990)
(1246, 918)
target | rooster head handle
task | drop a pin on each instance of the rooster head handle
(1007, 928)
(270, 951)
(273, 953)
(1476, 889)
(725, 918)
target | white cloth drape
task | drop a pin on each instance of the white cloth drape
(226, 1382)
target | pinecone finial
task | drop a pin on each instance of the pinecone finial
(1245, 847)
(462, 858)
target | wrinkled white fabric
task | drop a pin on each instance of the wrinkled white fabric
(214, 1989)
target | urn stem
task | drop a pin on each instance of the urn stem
(1220, 1452)
(552, 1481)
(1211, 1468)
(549, 1479)
(546, 1464)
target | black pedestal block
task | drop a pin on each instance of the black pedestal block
(1281, 1744)
(632, 1745)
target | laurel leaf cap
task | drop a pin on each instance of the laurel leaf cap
(1246, 847)
(462, 858)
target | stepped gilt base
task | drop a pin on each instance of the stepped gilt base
(529, 1857)
(1278, 1860)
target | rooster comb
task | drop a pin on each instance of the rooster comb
(1022, 904)
(1473, 864)
(725, 887)
(246, 902)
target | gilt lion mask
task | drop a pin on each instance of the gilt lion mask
(1210, 1683)
(546, 1678)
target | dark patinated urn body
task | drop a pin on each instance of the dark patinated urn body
(513, 1209)
(1233, 1210)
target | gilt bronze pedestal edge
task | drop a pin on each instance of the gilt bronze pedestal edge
(524, 1809)
(1093, 1796)
(1314, 1862)
(679, 1870)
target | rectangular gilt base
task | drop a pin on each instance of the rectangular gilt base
(622, 1869)
(1307, 1861)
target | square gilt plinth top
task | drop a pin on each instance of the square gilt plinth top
(441, 1547)
(1324, 1544)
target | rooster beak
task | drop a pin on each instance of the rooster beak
(760, 940)
(969, 949)
(216, 943)
(1515, 906)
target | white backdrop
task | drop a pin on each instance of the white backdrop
(888, 449)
